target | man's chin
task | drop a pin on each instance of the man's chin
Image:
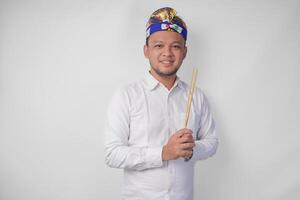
(167, 73)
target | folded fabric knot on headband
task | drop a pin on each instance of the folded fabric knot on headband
(175, 27)
(165, 26)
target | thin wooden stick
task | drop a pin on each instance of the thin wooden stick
(190, 100)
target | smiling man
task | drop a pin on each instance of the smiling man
(165, 51)
(145, 134)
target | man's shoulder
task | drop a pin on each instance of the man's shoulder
(129, 90)
(135, 86)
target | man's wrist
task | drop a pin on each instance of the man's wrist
(164, 153)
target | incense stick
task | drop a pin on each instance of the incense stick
(190, 99)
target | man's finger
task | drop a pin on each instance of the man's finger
(186, 154)
(185, 139)
(184, 131)
(188, 146)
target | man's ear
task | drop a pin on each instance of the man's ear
(185, 52)
(146, 51)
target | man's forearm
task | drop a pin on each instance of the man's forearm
(134, 158)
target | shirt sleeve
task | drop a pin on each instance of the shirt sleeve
(118, 152)
(206, 141)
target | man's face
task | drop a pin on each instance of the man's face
(165, 51)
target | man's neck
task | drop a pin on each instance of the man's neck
(167, 81)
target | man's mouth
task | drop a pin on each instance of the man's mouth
(166, 61)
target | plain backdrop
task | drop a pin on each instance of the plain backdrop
(61, 60)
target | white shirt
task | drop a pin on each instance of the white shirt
(141, 118)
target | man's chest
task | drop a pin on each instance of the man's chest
(155, 116)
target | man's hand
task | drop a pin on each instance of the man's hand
(180, 144)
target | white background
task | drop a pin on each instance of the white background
(60, 62)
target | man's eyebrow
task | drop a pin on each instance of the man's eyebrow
(175, 42)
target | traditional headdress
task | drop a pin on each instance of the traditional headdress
(165, 19)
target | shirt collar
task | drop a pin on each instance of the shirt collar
(151, 83)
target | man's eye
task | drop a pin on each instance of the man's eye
(177, 47)
(158, 45)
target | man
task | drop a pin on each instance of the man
(145, 134)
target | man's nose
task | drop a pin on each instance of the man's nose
(167, 51)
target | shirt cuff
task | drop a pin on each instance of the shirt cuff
(154, 157)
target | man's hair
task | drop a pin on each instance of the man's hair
(163, 14)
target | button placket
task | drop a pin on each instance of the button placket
(166, 111)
